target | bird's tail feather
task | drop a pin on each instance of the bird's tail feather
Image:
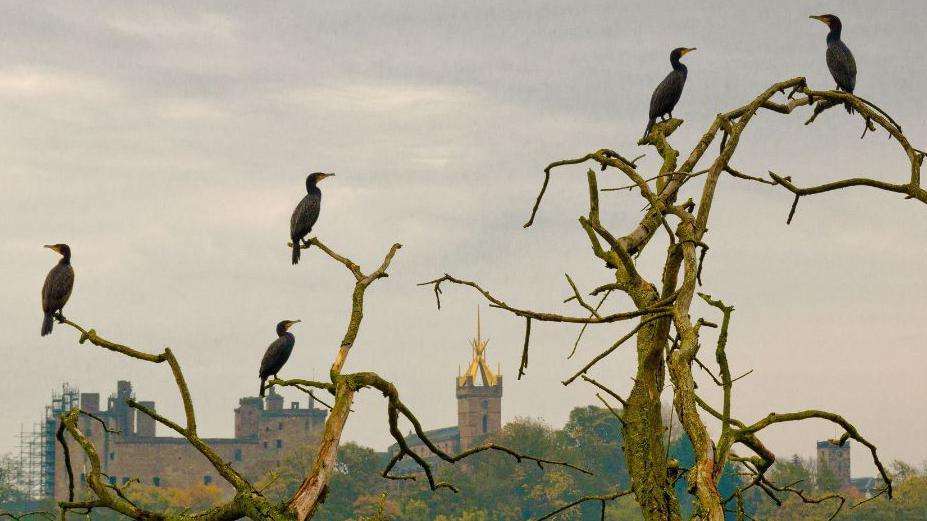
(261, 394)
(47, 324)
(296, 251)
(649, 126)
(846, 105)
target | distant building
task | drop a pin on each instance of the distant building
(263, 430)
(867, 486)
(835, 460)
(479, 409)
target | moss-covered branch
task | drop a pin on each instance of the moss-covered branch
(658, 308)
(670, 347)
(311, 492)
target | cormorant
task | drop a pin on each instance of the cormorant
(667, 93)
(306, 213)
(277, 353)
(840, 60)
(57, 287)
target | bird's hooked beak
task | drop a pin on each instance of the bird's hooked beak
(821, 18)
(687, 51)
(324, 176)
(53, 247)
(289, 323)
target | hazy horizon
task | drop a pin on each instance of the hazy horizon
(168, 143)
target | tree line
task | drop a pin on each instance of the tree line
(497, 489)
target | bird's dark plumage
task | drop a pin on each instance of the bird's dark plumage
(57, 288)
(306, 213)
(668, 92)
(278, 352)
(840, 60)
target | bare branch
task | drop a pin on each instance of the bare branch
(660, 352)
(546, 317)
(614, 346)
(537, 203)
(67, 458)
(524, 352)
(602, 498)
(605, 158)
(579, 299)
(811, 500)
(348, 263)
(396, 408)
(189, 432)
(850, 433)
(583, 329)
(312, 491)
(741, 175)
(305, 387)
(306, 500)
(24, 515)
(611, 393)
(907, 189)
(611, 409)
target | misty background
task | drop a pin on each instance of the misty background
(168, 144)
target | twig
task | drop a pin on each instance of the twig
(59, 435)
(583, 329)
(611, 393)
(658, 308)
(524, 351)
(602, 498)
(614, 346)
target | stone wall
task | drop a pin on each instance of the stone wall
(263, 436)
(479, 411)
(836, 459)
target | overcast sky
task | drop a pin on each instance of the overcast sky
(168, 143)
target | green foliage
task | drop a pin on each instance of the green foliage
(357, 479)
(795, 471)
(378, 508)
(909, 502)
(681, 450)
(356, 486)
(416, 510)
(494, 487)
(826, 480)
(175, 500)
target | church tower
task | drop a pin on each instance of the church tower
(833, 464)
(479, 395)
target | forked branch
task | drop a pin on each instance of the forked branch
(661, 350)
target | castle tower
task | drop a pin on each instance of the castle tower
(274, 401)
(247, 416)
(144, 424)
(834, 463)
(123, 416)
(479, 402)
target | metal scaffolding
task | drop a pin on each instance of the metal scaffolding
(37, 446)
(29, 471)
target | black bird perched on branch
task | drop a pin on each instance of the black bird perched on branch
(667, 93)
(278, 352)
(307, 212)
(57, 288)
(840, 60)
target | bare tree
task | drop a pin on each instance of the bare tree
(667, 343)
(667, 338)
(248, 500)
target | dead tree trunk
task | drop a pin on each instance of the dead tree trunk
(668, 340)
